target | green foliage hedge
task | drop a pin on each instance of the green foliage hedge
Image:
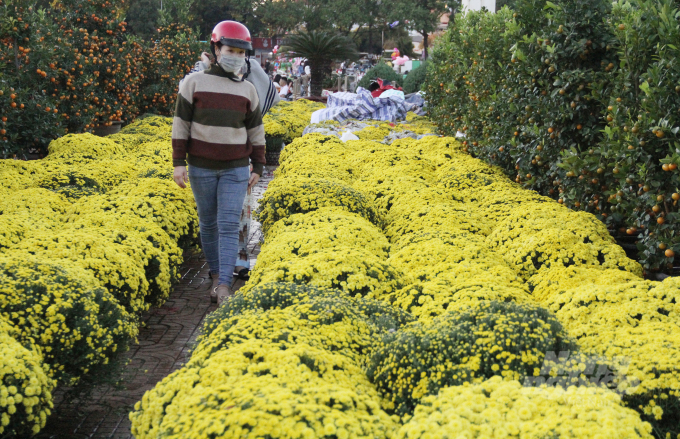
(578, 100)
(382, 71)
(415, 79)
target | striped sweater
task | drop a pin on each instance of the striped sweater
(266, 91)
(218, 123)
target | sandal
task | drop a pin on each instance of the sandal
(223, 293)
(215, 282)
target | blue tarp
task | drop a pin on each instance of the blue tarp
(361, 106)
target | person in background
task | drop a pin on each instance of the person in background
(306, 79)
(267, 67)
(218, 131)
(285, 89)
(277, 83)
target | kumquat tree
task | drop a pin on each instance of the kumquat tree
(578, 100)
(73, 66)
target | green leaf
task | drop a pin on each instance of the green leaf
(645, 88)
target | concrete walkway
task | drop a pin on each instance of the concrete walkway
(165, 338)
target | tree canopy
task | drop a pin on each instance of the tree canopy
(422, 15)
(366, 22)
(321, 48)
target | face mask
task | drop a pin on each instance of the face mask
(231, 64)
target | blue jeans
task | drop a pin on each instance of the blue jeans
(219, 197)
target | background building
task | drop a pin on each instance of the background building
(476, 5)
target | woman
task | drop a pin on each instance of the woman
(268, 96)
(218, 130)
(277, 79)
(305, 78)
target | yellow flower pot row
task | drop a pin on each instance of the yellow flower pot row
(287, 120)
(90, 237)
(421, 226)
(471, 203)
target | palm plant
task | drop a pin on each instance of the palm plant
(320, 48)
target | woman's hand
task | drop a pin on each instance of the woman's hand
(205, 57)
(180, 176)
(254, 178)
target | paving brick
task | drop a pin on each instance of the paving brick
(166, 337)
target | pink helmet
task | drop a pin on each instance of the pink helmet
(232, 33)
